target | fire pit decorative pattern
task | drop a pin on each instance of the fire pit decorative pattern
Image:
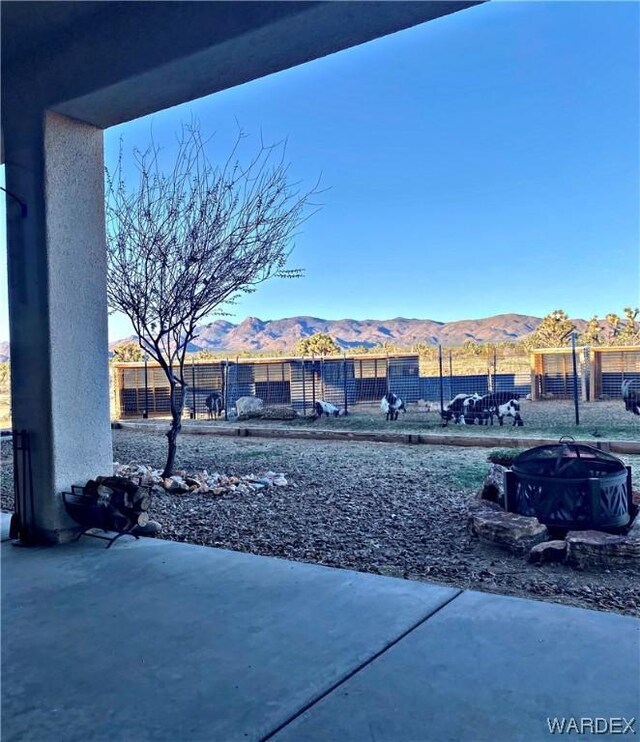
(570, 486)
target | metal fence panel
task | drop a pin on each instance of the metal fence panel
(554, 374)
(356, 382)
(612, 367)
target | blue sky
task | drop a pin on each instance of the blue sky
(482, 163)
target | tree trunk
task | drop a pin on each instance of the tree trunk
(176, 427)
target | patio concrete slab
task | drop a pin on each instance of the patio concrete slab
(491, 668)
(5, 522)
(153, 640)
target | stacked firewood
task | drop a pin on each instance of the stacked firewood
(123, 503)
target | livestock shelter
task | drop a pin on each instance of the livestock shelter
(552, 374)
(610, 367)
(344, 380)
(601, 371)
(296, 381)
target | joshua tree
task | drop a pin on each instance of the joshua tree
(318, 344)
(553, 332)
(128, 351)
(592, 334)
(631, 332)
(184, 241)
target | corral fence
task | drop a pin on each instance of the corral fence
(354, 382)
(612, 366)
(142, 390)
(600, 372)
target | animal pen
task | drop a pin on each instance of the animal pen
(353, 382)
(610, 368)
(601, 371)
(348, 382)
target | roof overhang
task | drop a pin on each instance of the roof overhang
(105, 63)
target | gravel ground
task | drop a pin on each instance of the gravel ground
(548, 419)
(384, 508)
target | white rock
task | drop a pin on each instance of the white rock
(248, 405)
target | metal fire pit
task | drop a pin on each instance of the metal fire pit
(570, 486)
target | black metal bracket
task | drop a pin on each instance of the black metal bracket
(23, 515)
(110, 539)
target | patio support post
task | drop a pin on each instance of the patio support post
(57, 306)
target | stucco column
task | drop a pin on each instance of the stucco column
(58, 307)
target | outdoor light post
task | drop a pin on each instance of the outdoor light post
(145, 414)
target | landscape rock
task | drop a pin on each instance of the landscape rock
(515, 533)
(247, 407)
(151, 528)
(548, 551)
(493, 486)
(177, 483)
(599, 550)
(200, 482)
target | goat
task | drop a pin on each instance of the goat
(631, 395)
(321, 407)
(214, 405)
(457, 408)
(495, 404)
(509, 409)
(391, 406)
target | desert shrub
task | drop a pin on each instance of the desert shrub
(503, 456)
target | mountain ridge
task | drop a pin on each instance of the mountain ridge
(253, 333)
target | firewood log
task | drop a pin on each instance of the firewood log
(143, 502)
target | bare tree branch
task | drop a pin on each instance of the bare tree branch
(183, 244)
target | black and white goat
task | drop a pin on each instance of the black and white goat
(495, 404)
(391, 406)
(325, 408)
(457, 409)
(631, 395)
(214, 405)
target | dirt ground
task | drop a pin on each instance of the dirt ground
(375, 507)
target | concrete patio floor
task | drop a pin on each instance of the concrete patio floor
(153, 640)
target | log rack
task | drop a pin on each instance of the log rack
(109, 504)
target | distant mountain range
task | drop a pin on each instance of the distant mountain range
(282, 334)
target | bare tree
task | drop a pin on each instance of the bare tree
(183, 242)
